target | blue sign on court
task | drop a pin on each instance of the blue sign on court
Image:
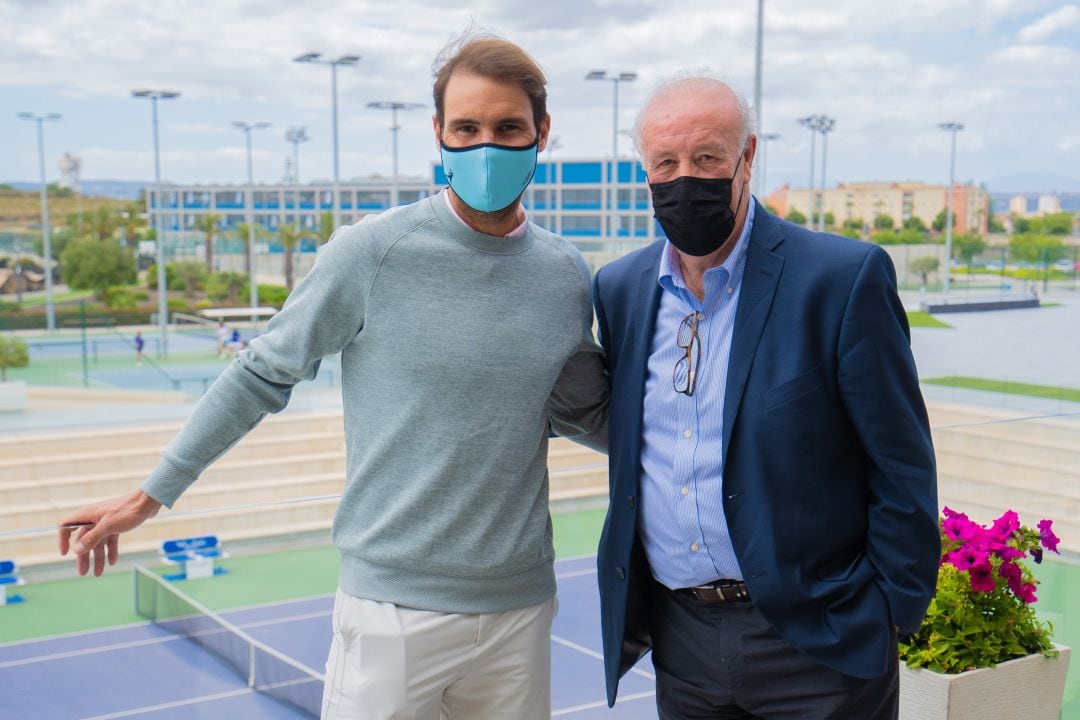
(7, 567)
(187, 544)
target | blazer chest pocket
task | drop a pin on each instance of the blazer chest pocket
(785, 392)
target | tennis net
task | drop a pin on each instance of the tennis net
(265, 669)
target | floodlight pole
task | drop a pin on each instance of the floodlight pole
(613, 177)
(46, 232)
(249, 208)
(954, 128)
(825, 126)
(393, 106)
(159, 230)
(315, 58)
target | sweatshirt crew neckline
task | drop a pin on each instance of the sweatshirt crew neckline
(483, 242)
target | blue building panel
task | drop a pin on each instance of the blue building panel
(631, 171)
(582, 172)
(438, 176)
(543, 174)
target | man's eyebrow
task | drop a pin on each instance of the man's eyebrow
(506, 119)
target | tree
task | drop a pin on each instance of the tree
(939, 221)
(326, 228)
(89, 264)
(13, 354)
(794, 216)
(290, 235)
(915, 223)
(225, 286)
(994, 225)
(968, 246)
(1021, 224)
(210, 226)
(1057, 224)
(242, 231)
(191, 273)
(1033, 248)
(102, 222)
(884, 222)
(923, 266)
(131, 222)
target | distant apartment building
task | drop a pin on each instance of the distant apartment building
(1018, 205)
(1048, 205)
(899, 200)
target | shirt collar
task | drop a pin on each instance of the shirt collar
(671, 277)
(517, 232)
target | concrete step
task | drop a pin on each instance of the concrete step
(199, 498)
(143, 459)
(155, 435)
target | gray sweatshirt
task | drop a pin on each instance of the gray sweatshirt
(458, 351)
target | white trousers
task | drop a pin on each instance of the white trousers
(393, 663)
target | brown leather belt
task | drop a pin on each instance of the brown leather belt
(720, 591)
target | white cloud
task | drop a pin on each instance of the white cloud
(1063, 18)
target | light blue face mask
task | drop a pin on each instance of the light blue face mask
(489, 177)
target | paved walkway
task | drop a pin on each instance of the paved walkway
(1037, 346)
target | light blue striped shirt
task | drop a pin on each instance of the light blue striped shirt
(682, 521)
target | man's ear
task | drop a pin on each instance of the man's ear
(438, 132)
(543, 131)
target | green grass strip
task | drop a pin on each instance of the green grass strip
(1004, 386)
(918, 318)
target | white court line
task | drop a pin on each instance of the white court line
(603, 703)
(171, 705)
(575, 573)
(151, 641)
(592, 653)
(128, 626)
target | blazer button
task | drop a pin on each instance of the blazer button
(630, 500)
(620, 573)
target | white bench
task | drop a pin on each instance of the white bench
(196, 557)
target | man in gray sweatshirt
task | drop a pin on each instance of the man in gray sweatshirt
(465, 334)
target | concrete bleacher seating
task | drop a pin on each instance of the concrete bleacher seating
(989, 463)
(44, 477)
(984, 466)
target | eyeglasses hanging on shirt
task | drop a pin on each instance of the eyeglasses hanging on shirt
(685, 375)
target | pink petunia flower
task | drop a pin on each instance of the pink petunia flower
(1047, 537)
(982, 577)
(1005, 525)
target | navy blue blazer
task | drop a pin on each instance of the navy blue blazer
(829, 479)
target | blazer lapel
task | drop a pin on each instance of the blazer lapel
(641, 322)
(760, 279)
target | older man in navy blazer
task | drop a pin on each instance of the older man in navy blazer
(772, 525)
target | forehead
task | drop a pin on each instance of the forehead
(683, 118)
(468, 94)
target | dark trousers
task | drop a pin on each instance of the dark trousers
(715, 662)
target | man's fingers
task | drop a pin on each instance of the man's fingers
(113, 544)
(89, 538)
(82, 563)
(99, 560)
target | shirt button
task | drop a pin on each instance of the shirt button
(684, 491)
(730, 291)
(686, 433)
(694, 547)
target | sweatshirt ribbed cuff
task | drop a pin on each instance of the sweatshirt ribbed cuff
(167, 482)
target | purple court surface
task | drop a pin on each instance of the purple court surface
(144, 671)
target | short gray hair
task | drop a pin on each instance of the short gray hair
(695, 83)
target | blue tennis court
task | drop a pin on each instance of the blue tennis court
(146, 671)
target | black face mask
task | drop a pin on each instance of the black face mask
(696, 212)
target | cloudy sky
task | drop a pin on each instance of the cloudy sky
(888, 72)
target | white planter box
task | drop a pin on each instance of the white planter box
(1029, 687)
(12, 395)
